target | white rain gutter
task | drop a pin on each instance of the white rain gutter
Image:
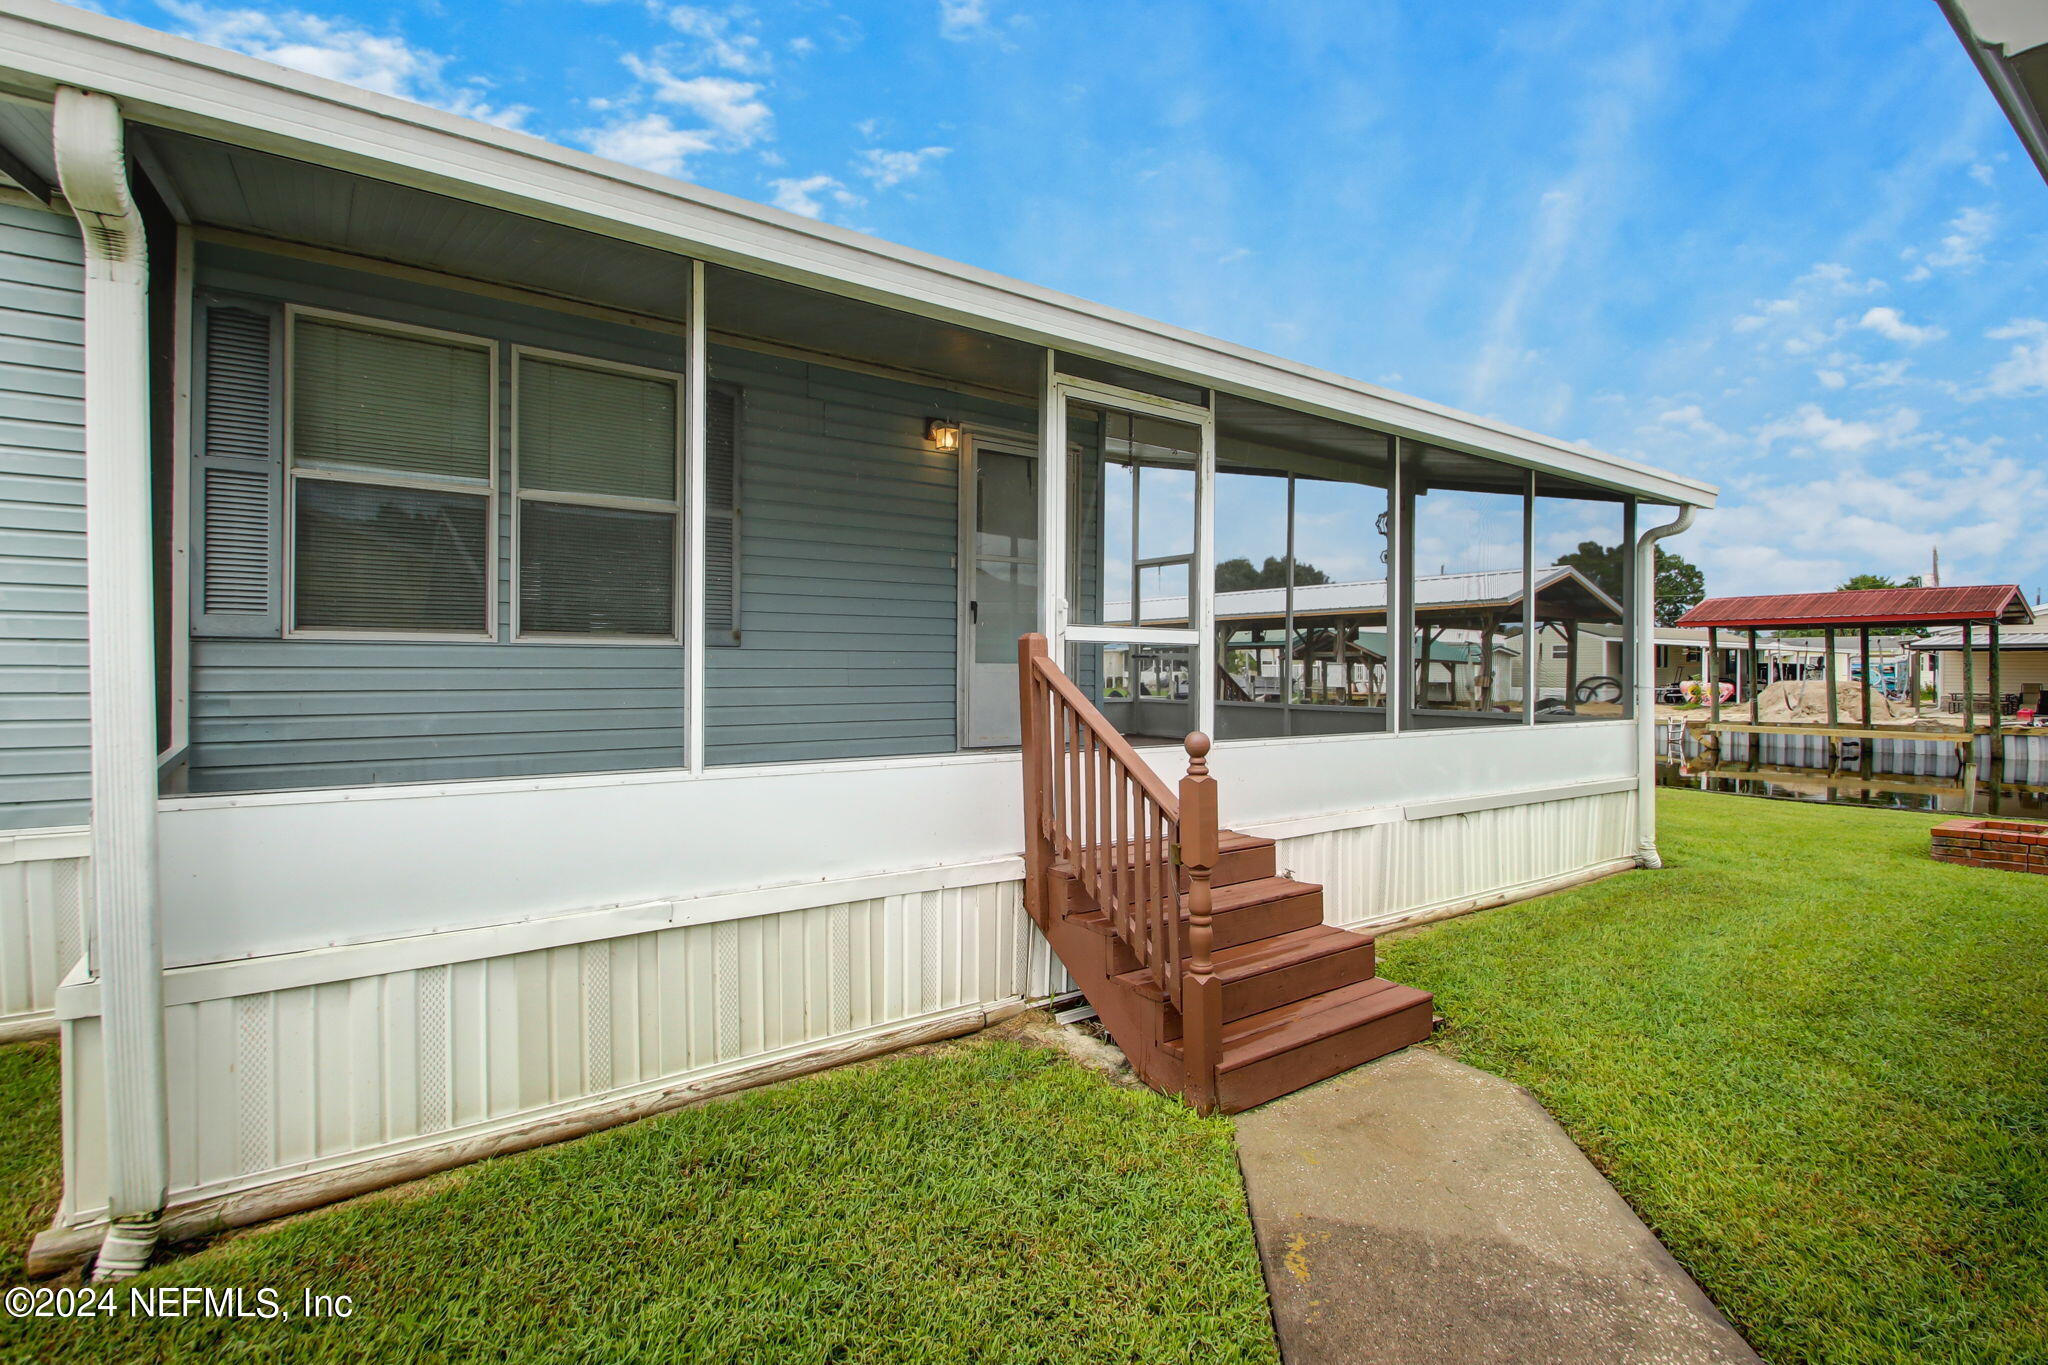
(127, 950)
(1646, 683)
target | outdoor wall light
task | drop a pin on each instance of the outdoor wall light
(943, 435)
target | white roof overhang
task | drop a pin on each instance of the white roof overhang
(2008, 40)
(178, 84)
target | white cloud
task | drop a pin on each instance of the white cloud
(340, 51)
(1810, 425)
(807, 195)
(1812, 292)
(1891, 325)
(649, 141)
(1964, 244)
(734, 108)
(2025, 367)
(1976, 504)
(721, 38)
(1692, 418)
(1831, 379)
(885, 169)
(961, 20)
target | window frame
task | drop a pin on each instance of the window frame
(676, 507)
(488, 490)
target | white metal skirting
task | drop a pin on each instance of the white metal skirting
(281, 1084)
(1401, 870)
(44, 891)
(293, 1081)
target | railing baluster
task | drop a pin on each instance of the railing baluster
(1100, 767)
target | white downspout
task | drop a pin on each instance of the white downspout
(120, 598)
(1646, 683)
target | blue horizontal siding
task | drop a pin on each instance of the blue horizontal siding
(293, 713)
(271, 714)
(43, 718)
(849, 597)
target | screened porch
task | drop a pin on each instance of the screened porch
(447, 494)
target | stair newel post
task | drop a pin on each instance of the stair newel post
(1201, 997)
(1033, 735)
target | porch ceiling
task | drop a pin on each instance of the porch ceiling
(754, 307)
(223, 186)
(1243, 425)
(26, 160)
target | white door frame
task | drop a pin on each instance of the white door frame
(971, 446)
(1056, 604)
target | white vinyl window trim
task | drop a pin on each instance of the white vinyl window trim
(684, 536)
(293, 474)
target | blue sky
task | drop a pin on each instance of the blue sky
(1792, 249)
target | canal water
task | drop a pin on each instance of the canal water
(1904, 774)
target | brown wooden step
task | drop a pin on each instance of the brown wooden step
(1243, 858)
(1278, 1051)
(1246, 911)
(1274, 971)
(1240, 858)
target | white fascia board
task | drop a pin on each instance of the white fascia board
(1994, 32)
(182, 85)
(2011, 26)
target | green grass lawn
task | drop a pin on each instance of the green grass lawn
(31, 1149)
(1814, 1060)
(1812, 1057)
(985, 1201)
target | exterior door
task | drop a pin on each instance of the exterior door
(999, 567)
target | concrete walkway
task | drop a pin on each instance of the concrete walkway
(1416, 1210)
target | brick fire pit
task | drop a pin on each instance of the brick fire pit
(2008, 845)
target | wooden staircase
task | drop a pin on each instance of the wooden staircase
(1215, 975)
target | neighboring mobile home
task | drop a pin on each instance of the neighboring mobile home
(546, 642)
(2022, 666)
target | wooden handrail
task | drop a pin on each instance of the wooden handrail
(1119, 748)
(1134, 846)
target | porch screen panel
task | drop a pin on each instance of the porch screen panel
(1468, 586)
(1583, 656)
(1301, 573)
(599, 499)
(392, 457)
(1133, 516)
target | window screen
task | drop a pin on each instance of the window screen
(391, 463)
(372, 558)
(596, 570)
(598, 500)
(370, 400)
(596, 431)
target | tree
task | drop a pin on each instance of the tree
(1235, 575)
(1863, 582)
(1680, 584)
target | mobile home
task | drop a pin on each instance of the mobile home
(497, 641)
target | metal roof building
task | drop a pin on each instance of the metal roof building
(2003, 603)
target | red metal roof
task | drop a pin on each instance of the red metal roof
(1864, 607)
